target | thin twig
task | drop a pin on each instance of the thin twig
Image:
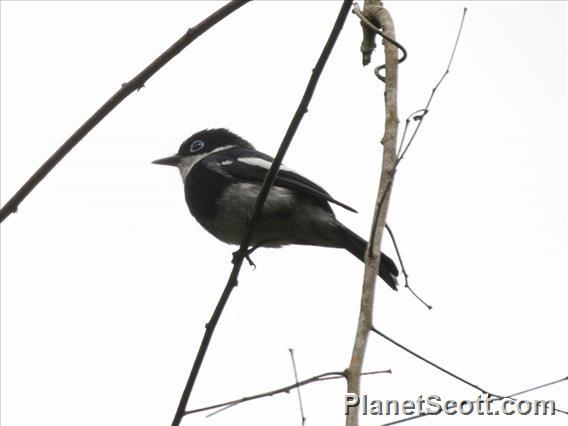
(374, 10)
(512, 395)
(407, 419)
(367, 47)
(298, 388)
(126, 89)
(285, 389)
(403, 137)
(538, 387)
(368, 44)
(410, 351)
(415, 116)
(221, 409)
(461, 379)
(260, 200)
(425, 110)
(406, 285)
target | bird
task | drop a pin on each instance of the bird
(222, 174)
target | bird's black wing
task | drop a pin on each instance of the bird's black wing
(251, 166)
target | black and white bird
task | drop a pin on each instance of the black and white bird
(222, 175)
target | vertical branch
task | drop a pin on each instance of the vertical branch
(374, 10)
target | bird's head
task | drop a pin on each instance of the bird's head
(201, 144)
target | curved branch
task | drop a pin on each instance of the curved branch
(126, 89)
(368, 44)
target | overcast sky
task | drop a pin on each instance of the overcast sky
(107, 280)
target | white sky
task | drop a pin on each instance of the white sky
(107, 280)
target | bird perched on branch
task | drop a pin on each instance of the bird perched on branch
(222, 175)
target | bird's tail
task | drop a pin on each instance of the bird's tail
(357, 245)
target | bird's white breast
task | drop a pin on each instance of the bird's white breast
(243, 195)
(236, 204)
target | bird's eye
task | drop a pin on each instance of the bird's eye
(196, 146)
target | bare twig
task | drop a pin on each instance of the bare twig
(406, 419)
(416, 115)
(406, 285)
(374, 9)
(455, 376)
(298, 388)
(417, 416)
(126, 89)
(285, 389)
(260, 200)
(461, 379)
(545, 385)
(419, 115)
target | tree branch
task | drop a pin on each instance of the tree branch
(374, 10)
(260, 200)
(127, 88)
(285, 389)
(420, 357)
(461, 379)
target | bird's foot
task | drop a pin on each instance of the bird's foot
(249, 260)
(246, 256)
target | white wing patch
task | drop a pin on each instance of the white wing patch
(259, 162)
(187, 163)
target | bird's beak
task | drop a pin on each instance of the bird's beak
(168, 161)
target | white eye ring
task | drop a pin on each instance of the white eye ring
(196, 146)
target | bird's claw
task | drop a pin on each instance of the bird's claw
(246, 256)
(249, 260)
